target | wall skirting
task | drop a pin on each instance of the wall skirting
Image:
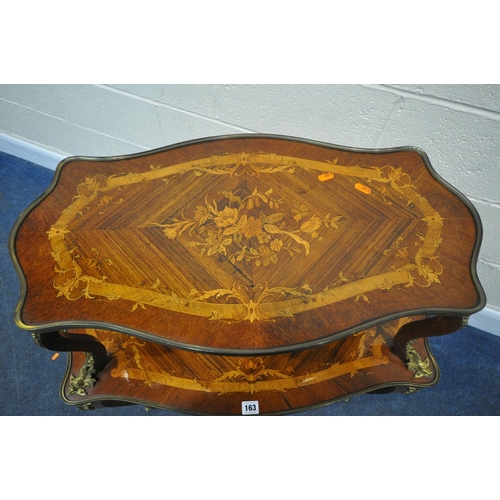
(30, 152)
(487, 320)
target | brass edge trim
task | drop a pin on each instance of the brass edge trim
(231, 352)
(12, 235)
(65, 379)
(434, 362)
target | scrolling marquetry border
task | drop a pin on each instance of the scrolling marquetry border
(249, 376)
(422, 269)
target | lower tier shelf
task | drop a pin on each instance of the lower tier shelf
(153, 375)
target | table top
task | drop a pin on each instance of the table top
(248, 244)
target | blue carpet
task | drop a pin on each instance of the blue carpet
(30, 380)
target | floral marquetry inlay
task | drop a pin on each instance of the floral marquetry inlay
(251, 375)
(249, 227)
(251, 224)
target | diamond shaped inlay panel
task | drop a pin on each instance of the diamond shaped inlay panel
(240, 237)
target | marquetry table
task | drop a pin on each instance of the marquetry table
(247, 274)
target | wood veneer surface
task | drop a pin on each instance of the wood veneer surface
(245, 243)
(185, 381)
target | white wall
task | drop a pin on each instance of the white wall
(457, 125)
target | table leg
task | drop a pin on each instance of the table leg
(95, 353)
(430, 327)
